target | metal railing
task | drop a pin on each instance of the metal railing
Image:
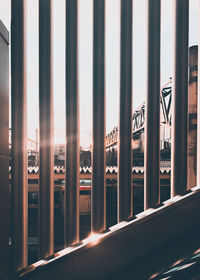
(152, 120)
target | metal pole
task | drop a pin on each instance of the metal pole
(37, 148)
(198, 112)
(192, 118)
(19, 134)
(4, 152)
(72, 125)
(46, 195)
(98, 149)
(152, 112)
(180, 99)
(125, 119)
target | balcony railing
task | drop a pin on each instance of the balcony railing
(106, 250)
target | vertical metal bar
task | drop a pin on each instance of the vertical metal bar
(152, 111)
(98, 148)
(198, 109)
(46, 195)
(4, 152)
(180, 99)
(72, 125)
(19, 134)
(125, 119)
(192, 118)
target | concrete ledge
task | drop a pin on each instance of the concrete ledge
(103, 255)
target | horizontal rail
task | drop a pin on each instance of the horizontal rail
(178, 216)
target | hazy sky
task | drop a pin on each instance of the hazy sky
(85, 58)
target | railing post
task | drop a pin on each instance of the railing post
(98, 144)
(19, 134)
(192, 118)
(46, 195)
(125, 209)
(198, 109)
(4, 152)
(72, 125)
(152, 112)
(180, 99)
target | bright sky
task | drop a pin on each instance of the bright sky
(85, 59)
